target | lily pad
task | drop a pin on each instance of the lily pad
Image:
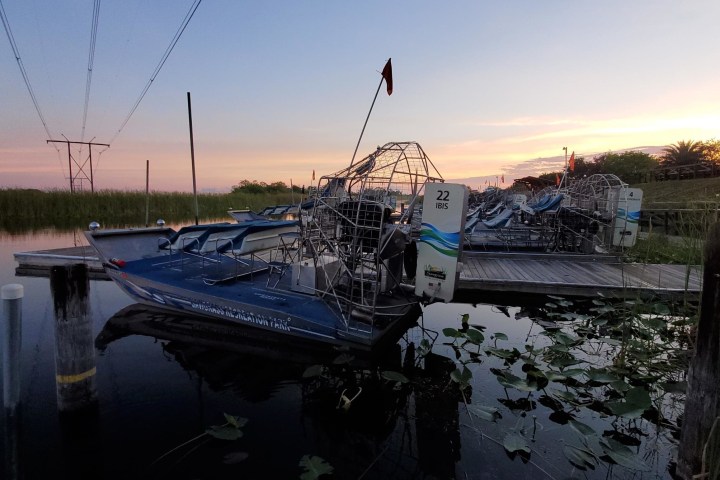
(514, 442)
(313, 371)
(569, 397)
(505, 354)
(572, 372)
(343, 359)
(237, 422)
(511, 381)
(475, 336)
(555, 376)
(462, 377)
(637, 400)
(394, 376)
(484, 412)
(580, 457)
(235, 457)
(224, 432)
(314, 467)
(582, 428)
(600, 376)
(674, 387)
(452, 332)
(562, 362)
(623, 455)
(565, 339)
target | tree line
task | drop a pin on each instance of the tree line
(254, 187)
(632, 166)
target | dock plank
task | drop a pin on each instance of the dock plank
(575, 276)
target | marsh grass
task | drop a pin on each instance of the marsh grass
(28, 209)
(685, 248)
(659, 248)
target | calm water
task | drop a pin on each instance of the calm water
(155, 394)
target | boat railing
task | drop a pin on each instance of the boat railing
(289, 250)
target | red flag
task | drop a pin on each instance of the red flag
(572, 162)
(557, 179)
(387, 75)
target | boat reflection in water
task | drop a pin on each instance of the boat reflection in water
(344, 406)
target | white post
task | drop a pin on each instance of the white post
(12, 295)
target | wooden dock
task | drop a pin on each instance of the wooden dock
(39, 262)
(575, 275)
(529, 273)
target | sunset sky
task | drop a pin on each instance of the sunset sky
(282, 88)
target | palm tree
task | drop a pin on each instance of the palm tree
(682, 153)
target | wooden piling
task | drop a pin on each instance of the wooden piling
(702, 404)
(74, 350)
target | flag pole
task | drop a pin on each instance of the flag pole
(564, 170)
(382, 78)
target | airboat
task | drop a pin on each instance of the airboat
(345, 273)
(594, 214)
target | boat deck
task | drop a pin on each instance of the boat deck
(534, 273)
(575, 275)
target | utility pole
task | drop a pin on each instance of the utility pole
(192, 157)
(80, 173)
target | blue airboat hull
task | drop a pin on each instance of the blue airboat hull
(253, 297)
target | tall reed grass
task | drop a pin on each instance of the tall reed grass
(28, 209)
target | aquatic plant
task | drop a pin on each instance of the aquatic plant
(314, 467)
(624, 360)
(229, 431)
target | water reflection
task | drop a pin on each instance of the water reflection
(352, 412)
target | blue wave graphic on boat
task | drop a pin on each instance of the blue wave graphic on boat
(632, 217)
(447, 243)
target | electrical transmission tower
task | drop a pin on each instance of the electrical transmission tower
(84, 170)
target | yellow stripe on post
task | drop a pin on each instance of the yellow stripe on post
(75, 378)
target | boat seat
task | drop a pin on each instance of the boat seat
(535, 203)
(546, 203)
(190, 239)
(495, 209)
(240, 242)
(499, 220)
(552, 204)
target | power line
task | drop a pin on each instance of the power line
(24, 74)
(91, 61)
(168, 50)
